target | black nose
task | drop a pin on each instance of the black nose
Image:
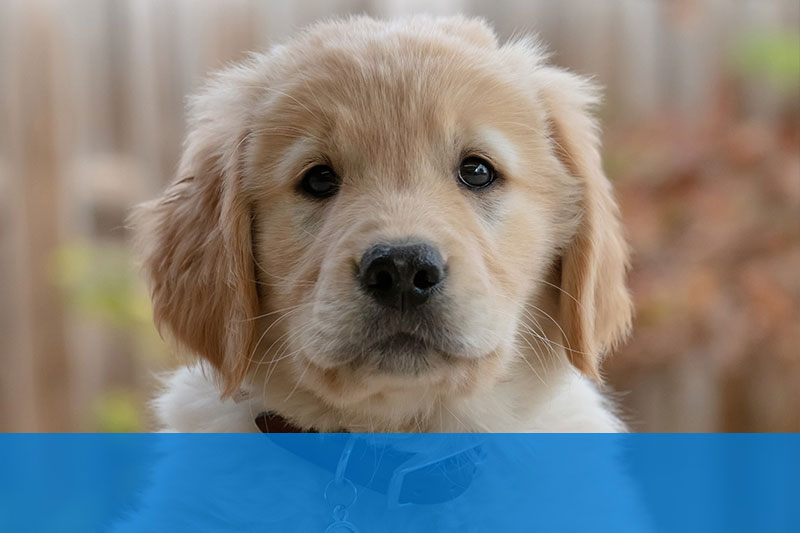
(401, 276)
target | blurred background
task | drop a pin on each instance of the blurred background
(701, 139)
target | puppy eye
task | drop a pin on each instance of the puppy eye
(320, 182)
(476, 172)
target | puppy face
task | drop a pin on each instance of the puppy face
(375, 207)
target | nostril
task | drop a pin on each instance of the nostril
(426, 279)
(383, 281)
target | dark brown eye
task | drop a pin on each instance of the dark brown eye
(320, 182)
(476, 173)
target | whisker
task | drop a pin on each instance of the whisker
(274, 312)
(562, 290)
(563, 334)
(267, 330)
(297, 381)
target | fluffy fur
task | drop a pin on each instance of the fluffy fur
(257, 281)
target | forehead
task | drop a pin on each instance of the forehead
(391, 100)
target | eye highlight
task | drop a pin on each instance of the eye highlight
(320, 182)
(476, 173)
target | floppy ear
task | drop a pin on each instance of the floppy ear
(195, 240)
(595, 307)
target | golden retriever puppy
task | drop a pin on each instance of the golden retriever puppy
(390, 226)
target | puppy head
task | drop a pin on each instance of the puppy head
(374, 207)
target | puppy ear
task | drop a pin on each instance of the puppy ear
(595, 307)
(195, 241)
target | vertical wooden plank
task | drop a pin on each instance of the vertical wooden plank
(640, 53)
(46, 380)
(19, 407)
(17, 399)
(274, 21)
(141, 90)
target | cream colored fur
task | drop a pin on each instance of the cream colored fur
(569, 402)
(257, 281)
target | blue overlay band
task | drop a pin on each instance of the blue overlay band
(447, 482)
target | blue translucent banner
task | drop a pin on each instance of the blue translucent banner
(366, 483)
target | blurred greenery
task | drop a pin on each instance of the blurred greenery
(118, 411)
(99, 284)
(773, 57)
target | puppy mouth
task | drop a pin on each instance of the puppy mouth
(377, 341)
(401, 343)
(401, 353)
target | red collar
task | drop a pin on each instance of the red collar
(274, 423)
